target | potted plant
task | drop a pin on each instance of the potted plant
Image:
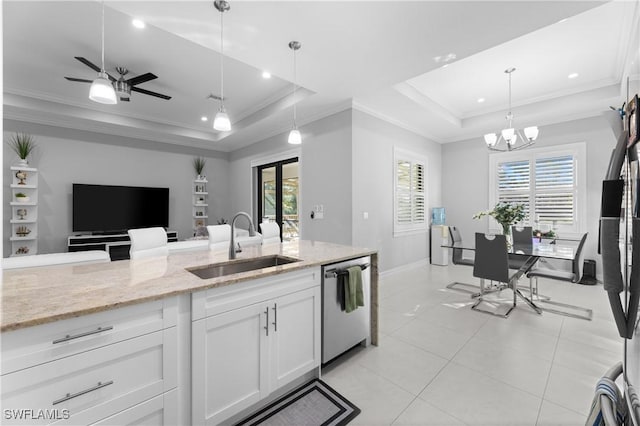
(506, 214)
(21, 197)
(22, 144)
(198, 165)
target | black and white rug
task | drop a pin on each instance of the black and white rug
(314, 403)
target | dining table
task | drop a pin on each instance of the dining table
(530, 254)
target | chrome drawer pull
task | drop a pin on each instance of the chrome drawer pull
(86, 333)
(266, 311)
(275, 317)
(69, 396)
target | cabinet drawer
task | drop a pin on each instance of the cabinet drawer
(222, 299)
(158, 411)
(35, 345)
(95, 384)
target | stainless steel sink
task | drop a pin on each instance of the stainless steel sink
(241, 265)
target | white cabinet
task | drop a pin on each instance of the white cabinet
(86, 369)
(200, 203)
(247, 348)
(439, 237)
(24, 211)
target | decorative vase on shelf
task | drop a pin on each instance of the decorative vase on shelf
(22, 162)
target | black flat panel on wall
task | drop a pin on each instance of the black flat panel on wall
(110, 208)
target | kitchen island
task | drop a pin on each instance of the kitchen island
(152, 333)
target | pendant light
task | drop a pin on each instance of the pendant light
(102, 90)
(295, 138)
(221, 122)
(510, 135)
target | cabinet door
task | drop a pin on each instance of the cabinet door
(295, 340)
(229, 363)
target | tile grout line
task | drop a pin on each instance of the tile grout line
(546, 385)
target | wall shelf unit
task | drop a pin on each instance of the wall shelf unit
(24, 211)
(200, 204)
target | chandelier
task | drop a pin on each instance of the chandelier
(510, 135)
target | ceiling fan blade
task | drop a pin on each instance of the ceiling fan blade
(81, 80)
(141, 78)
(147, 92)
(88, 63)
(93, 66)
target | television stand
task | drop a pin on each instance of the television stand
(117, 245)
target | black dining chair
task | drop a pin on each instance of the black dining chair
(573, 276)
(492, 263)
(457, 258)
(522, 238)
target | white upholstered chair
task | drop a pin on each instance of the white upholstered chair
(270, 232)
(50, 259)
(219, 236)
(148, 242)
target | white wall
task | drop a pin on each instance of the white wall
(65, 156)
(465, 175)
(325, 176)
(373, 144)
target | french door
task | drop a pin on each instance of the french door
(278, 191)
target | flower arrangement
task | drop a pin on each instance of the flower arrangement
(506, 214)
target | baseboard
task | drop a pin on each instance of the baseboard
(423, 262)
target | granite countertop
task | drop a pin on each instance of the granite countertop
(33, 296)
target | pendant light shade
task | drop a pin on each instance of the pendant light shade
(102, 90)
(295, 138)
(221, 122)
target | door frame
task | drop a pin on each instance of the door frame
(265, 160)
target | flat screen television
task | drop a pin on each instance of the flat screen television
(114, 209)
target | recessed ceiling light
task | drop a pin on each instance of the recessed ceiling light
(204, 118)
(573, 75)
(138, 23)
(266, 74)
(480, 100)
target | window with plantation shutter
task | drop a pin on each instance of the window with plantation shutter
(550, 183)
(409, 192)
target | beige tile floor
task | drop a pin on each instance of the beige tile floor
(440, 363)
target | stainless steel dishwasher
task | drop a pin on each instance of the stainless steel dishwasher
(340, 330)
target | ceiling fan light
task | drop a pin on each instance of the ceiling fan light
(491, 139)
(295, 138)
(102, 90)
(222, 123)
(531, 133)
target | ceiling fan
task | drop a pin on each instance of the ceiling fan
(123, 87)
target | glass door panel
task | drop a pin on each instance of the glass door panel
(279, 189)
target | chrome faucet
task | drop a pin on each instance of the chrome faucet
(232, 243)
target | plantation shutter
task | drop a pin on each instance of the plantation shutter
(546, 183)
(514, 184)
(409, 193)
(554, 197)
(403, 192)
